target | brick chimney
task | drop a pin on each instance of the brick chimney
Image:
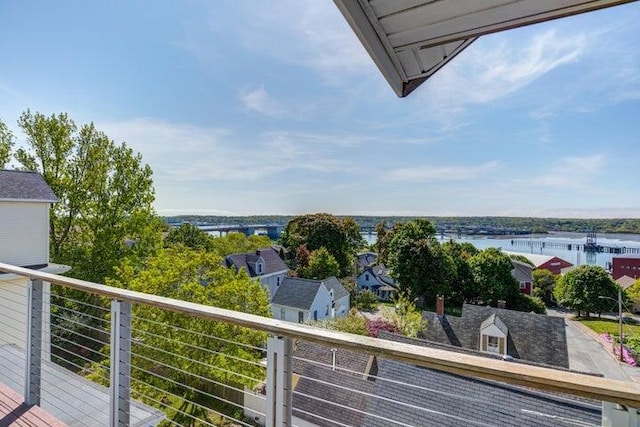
(440, 305)
(257, 251)
(502, 303)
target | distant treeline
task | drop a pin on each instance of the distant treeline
(529, 225)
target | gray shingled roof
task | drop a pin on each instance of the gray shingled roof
(522, 271)
(339, 290)
(403, 394)
(533, 337)
(380, 274)
(247, 261)
(365, 259)
(296, 292)
(28, 186)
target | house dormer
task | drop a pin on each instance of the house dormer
(260, 266)
(493, 336)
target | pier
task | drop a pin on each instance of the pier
(589, 247)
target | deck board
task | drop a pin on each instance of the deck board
(14, 412)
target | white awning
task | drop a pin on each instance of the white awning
(409, 40)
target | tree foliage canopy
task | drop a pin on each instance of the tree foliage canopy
(417, 260)
(341, 237)
(321, 265)
(187, 350)
(6, 142)
(544, 283)
(492, 273)
(105, 194)
(581, 288)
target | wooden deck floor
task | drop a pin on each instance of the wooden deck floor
(13, 412)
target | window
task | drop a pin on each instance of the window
(315, 315)
(300, 316)
(493, 344)
(278, 282)
(282, 314)
(326, 310)
(259, 265)
(523, 285)
(366, 277)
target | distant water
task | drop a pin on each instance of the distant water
(574, 257)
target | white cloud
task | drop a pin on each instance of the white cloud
(571, 172)
(186, 152)
(441, 173)
(310, 33)
(260, 101)
(495, 67)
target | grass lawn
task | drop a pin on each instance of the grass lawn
(601, 326)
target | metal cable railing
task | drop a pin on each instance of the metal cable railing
(208, 366)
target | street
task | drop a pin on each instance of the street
(588, 354)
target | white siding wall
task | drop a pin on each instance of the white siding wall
(322, 300)
(13, 313)
(271, 282)
(342, 306)
(363, 283)
(24, 233)
(290, 314)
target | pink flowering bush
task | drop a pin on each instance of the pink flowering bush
(375, 326)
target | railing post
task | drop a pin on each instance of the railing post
(34, 343)
(279, 381)
(120, 369)
(614, 415)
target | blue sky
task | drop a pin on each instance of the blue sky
(243, 108)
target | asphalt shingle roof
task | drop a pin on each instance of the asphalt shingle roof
(28, 186)
(247, 261)
(532, 337)
(296, 292)
(522, 271)
(403, 394)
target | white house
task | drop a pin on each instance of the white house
(265, 264)
(377, 280)
(25, 199)
(300, 300)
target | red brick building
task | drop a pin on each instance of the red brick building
(624, 266)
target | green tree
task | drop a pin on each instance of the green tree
(406, 316)
(6, 142)
(236, 243)
(633, 292)
(190, 236)
(491, 270)
(353, 323)
(366, 300)
(321, 265)
(384, 238)
(580, 289)
(337, 235)
(192, 354)
(105, 193)
(462, 284)
(418, 262)
(521, 258)
(544, 282)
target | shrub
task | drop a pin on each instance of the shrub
(352, 324)
(366, 300)
(529, 304)
(377, 325)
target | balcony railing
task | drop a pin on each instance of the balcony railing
(124, 358)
